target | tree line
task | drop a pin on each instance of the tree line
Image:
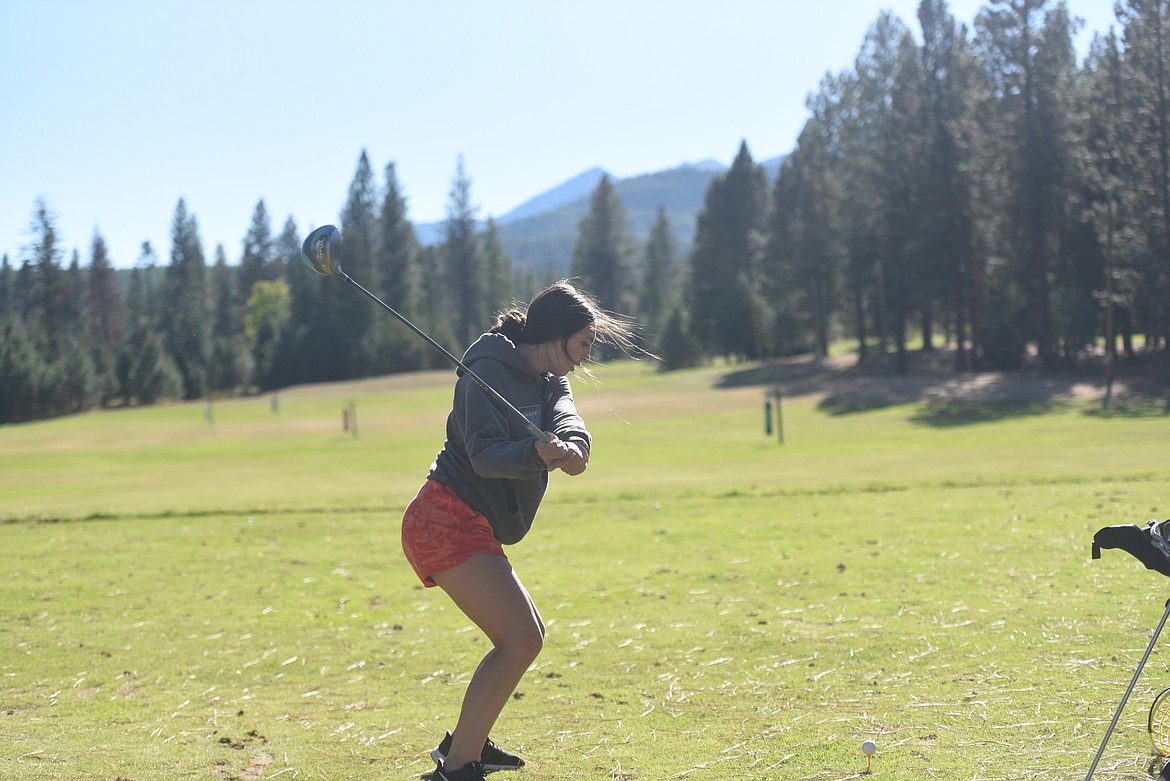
(979, 189)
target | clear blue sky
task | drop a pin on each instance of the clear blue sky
(114, 110)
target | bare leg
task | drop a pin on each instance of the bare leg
(488, 591)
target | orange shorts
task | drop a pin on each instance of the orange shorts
(440, 531)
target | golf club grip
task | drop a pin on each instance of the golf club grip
(488, 389)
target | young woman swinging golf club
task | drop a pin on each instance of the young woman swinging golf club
(483, 491)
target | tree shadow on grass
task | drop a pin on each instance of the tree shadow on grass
(1131, 406)
(945, 399)
(1146, 397)
(956, 401)
(797, 376)
(944, 413)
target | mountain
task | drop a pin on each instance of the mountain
(708, 164)
(580, 186)
(545, 241)
(540, 234)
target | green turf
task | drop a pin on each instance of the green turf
(180, 600)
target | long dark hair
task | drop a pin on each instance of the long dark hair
(561, 310)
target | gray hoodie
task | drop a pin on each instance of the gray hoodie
(490, 458)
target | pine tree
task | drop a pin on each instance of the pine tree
(397, 246)
(221, 283)
(660, 275)
(1145, 26)
(603, 257)
(105, 314)
(1102, 98)
(499, 284)
(1030, 56)
(24, 289)
(48, 317)
(869, 148)
(807, 236)
(231, 359)
(353, 323)
(75, 298)
(136, 325)
(908, 275)
(289, 365)
(391, 347)
(20, 370)
(256, 262)
(1067, 274)
(77, 387)
(435, 302)
(147, 372)
(287, 248)
(680, 349)
(464, 266)
(949, 99)
(184, 305)
(152, 276)
(7, 279)
(726, 297)
(105, 319)
(154, 376)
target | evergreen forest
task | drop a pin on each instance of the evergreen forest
(978, 189)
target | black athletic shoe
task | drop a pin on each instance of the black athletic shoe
(472, 771)
(492, 758)
(1149, 544)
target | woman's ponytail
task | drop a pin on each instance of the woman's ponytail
(511, 324)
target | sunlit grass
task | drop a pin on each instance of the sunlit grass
(230, 601)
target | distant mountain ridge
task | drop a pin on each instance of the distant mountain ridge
(575, 189)
(540, 233)
(580, 186)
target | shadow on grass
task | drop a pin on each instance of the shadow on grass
(943, 413)
(1144, 397)
(944, 398)
(798, 376)
(1132, 406)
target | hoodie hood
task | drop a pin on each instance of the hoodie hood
(498, 347)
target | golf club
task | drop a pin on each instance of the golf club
(321, 252)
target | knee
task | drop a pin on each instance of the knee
(530, 641)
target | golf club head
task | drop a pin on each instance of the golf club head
(322, 251)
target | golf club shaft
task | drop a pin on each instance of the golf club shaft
(488, 389)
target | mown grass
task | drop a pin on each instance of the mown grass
(186, 601)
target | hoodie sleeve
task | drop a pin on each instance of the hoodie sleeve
(561, 416)
(486, 432)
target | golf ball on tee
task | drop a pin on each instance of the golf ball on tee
(868, 747)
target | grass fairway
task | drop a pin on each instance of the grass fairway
(179, 600)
